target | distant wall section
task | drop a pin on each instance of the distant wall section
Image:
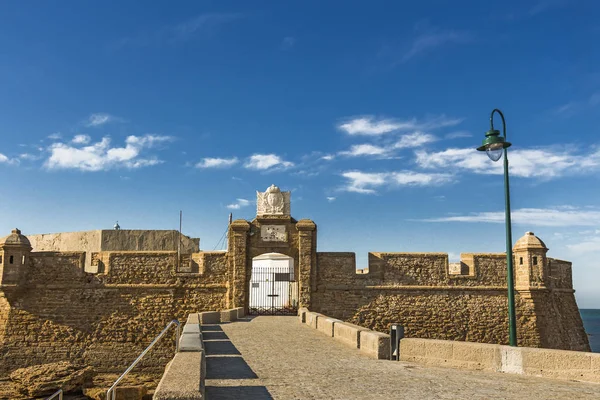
(435, 299)
(60, 312)
(113, 240)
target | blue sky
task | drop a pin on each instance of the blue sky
(369, 112)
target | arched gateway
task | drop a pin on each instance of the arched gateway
(265, 289)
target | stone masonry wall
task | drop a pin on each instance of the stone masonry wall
(419, 291)
(105, 320)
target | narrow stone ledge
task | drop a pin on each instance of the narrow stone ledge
(209, 317)
(183, 378)
(348, 334)
(230, 315)
(375, 344)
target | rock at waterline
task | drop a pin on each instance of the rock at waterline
(45, 379)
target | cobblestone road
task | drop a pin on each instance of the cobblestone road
(280, 358)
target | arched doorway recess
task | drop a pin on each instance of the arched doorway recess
(273, 288)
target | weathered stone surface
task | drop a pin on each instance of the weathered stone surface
(241, 313)
(209, 317)
(311, 319)
(182, 379)
(45, 379)
(121, 393)
(193, 318)
(549, 363)
(348, 334)
(302, 314)
(325, 325)
(54, 310)
(375, 344)
(305, 364)
(229, 315)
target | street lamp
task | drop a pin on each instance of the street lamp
(494, 145)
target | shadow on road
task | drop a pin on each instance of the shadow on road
(223, 359)
(238, 392)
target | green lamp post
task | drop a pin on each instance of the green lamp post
(494, 145)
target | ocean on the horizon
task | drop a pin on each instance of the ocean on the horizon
(591, 323)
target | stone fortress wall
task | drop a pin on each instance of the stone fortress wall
(113, 240)
(52, 308)
(59, 312)
(423, 292)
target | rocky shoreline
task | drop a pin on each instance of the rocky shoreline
(78, 383)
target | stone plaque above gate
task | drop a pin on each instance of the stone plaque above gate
(273, 233)
(273, 202)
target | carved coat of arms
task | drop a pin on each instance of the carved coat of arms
(272, 202)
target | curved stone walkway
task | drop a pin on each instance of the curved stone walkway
(280, 358)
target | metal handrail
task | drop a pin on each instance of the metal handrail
(112, 390)
(58, 393)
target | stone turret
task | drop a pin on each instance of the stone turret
(14, 257)
(530, 264)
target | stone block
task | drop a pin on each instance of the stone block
(302, 314)
(375, 344)
(183, 378)
(311, 319)
(562, 364)
(209, 317)
(412, 349)
(596, 362)
(190, 342)
(191, 328)
(193, 318)
(325, 324)
(241, 312)
(348, 334)
(229, 315)
(441, 349)
(476, 356)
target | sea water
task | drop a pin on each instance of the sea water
(591, 323)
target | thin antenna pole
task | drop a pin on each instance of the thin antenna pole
(230, 218)
(179, 243)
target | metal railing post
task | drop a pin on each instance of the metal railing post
(58, 393)
(111, 393)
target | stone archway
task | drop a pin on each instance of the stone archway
(272, 231)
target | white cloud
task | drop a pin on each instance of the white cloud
(330, 199)
(6, 160)
(266, 161)
(554, 216)
(415, 139)
(238, 204)
(29, 156)
(55, 136)
(364, 182)
(328, 157)
(457, 135)
(100, 156)
(372, 126)
(368, 182)
(434, 38)
(99, 119)
(81, 139)
(202, 25)
(365, 150)
(588, 245)
(217, 162)
(540, 163)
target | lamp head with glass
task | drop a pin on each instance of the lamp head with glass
(493, 144)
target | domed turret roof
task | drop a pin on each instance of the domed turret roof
(15, 239)
(529, 241)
